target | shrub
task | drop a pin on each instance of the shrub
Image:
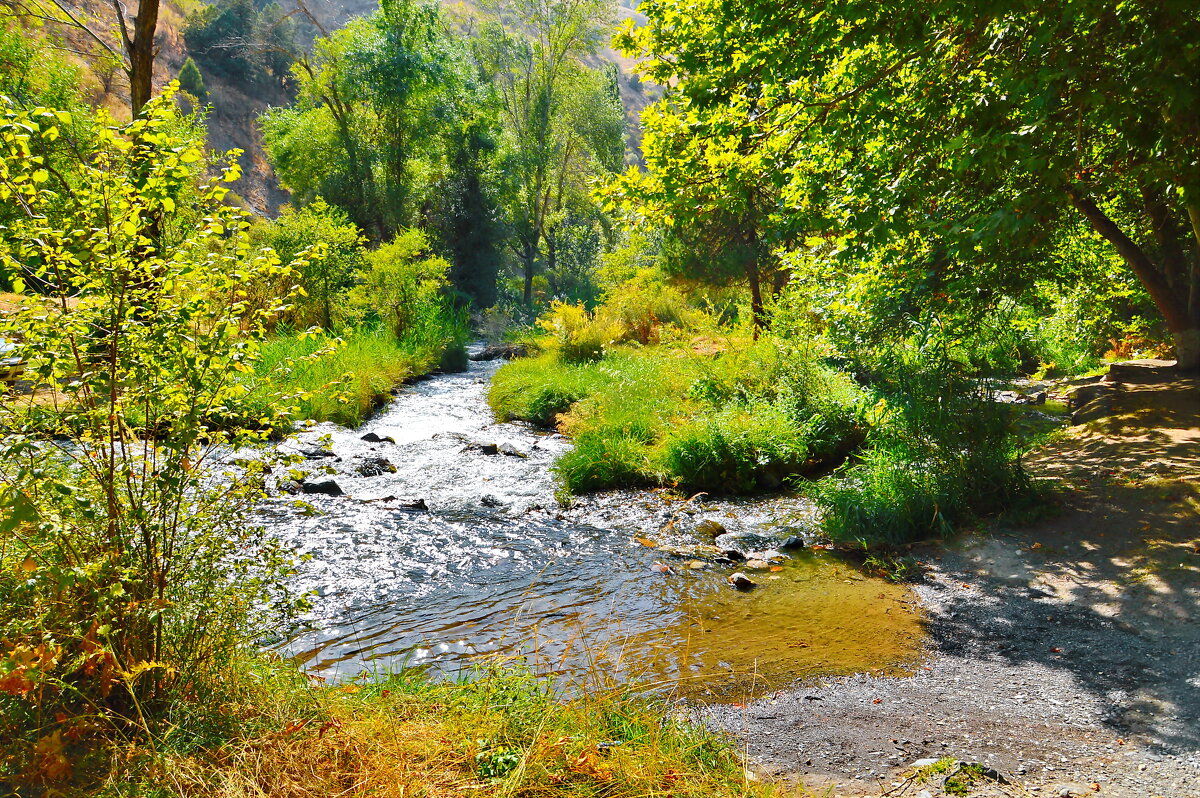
(579, 336)
(402, 283)
(326, 279)
(128, 575)
(191, 81)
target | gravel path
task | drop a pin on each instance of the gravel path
(1063, 653)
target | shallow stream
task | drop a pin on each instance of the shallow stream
(626, 585)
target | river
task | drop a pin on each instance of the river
(622, 586)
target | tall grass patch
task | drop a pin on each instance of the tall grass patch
(938, 453)
(726, 417)
(496, 732)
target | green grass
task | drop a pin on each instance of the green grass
(738, 421)
(344, 383)
(932, 461)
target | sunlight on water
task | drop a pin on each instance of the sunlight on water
(497, 569)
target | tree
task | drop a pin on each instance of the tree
(326, 279)
(125, 557)
(535, 72)
(135, 38)
(370, 100)
(191, 81)
(954, 144)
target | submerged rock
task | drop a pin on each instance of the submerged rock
(710, 527)
(323, 487)
(374, 466)
(395, 503)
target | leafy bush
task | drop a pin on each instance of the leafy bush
(326, 279)
(128, 575)
(578, 335)
(402, 283)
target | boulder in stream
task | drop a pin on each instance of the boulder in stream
(510, 450)
(710, 528)
(323, 487)
(508, 351)
(741, 582)
(792, 543)
(314, 452)
(373, 437)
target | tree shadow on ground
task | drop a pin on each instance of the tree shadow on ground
(1108, 588)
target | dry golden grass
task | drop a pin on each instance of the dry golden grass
(503, 734)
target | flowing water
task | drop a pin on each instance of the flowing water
(628, 585)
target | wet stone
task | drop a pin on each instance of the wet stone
(510, 450)
(741, 582)
(710, 527)
(323, 487)
(314, 452)
(372, 437)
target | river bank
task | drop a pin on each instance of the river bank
(1062, 651)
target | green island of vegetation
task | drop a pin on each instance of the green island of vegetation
(756, 247)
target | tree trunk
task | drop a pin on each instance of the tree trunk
(140, 49)
(1171, 302)
(528, 257)
(757, 311)
(1187, 349)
